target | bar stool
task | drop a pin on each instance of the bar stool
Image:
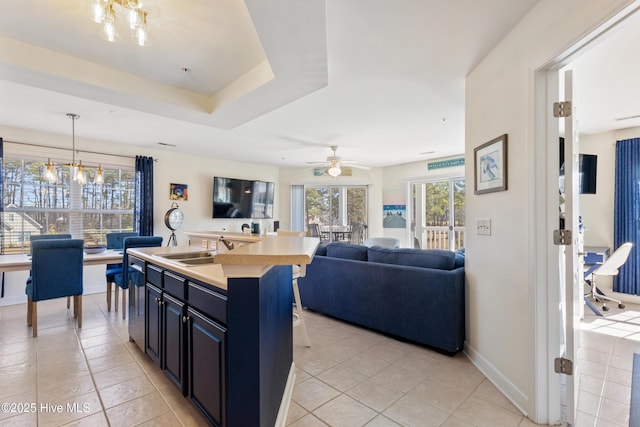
(298, 320)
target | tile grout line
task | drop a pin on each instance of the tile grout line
(86, 359)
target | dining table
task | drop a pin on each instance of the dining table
(21, 262)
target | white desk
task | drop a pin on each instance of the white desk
(23, 261)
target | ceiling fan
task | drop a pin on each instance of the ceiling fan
(334, 163)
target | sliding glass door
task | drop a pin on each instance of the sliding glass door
(339, 211)
(437, 209)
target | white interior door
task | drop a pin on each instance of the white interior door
(570, 267)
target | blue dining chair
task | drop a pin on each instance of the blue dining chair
(128, 274)
(34, 237)
(115, 241)
(56, 272)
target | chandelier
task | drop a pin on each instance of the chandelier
(76, 170)
(103, 12)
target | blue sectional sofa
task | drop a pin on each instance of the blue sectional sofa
(414, 294)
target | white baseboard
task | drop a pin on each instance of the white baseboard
(502, 383)
(283, 412)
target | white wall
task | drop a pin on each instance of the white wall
(597, 209)
(171, 167)
(501, 322)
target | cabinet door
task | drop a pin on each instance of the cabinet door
(153, 319)
(173, 348)
(206, 349)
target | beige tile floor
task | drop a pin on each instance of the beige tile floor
(350, 377)
(607, 347)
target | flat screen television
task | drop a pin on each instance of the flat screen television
(232, 198)
(587, 172)
(242, 198)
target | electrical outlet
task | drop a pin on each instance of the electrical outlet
(483, 227)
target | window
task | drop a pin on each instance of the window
(34, 206)
(338, 210)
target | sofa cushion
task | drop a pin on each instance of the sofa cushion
(381, 254)
(321, 250)
(347, 251)
(428, 258)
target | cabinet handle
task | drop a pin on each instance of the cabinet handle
(185, 319)
(157, 300)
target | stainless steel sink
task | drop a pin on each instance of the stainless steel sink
(188, 255)
(197, 261)
(189, 258)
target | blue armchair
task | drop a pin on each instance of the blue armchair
(115, 241)
(126, 274)
(56, 271)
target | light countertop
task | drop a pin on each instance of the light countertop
(250, 260)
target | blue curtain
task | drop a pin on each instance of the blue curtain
(626, 221)
(143, 211)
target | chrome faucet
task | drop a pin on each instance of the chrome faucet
(227, 243)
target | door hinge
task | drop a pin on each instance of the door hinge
(562, 237)
(562, 109)
(563, 366)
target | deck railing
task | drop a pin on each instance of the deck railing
(438, 238)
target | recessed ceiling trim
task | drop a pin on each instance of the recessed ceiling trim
(45, 68)
(258, 76)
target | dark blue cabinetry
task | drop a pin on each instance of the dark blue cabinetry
(230, 352)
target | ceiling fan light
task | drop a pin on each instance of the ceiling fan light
(334, 170)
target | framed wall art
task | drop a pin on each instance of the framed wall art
(490, 166)
(178, 192)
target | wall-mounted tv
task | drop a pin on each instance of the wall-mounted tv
(242, 198)
(232, 198)
(587, 171)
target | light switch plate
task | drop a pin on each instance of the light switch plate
(483, 227)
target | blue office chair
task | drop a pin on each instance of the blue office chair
(115, 241)
(127, 274)
(56, 271)
(35, 237)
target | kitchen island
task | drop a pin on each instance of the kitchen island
(219, 325)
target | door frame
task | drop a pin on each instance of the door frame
(543, 270)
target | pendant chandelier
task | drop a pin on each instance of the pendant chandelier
(76, 170)
(103, 12)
